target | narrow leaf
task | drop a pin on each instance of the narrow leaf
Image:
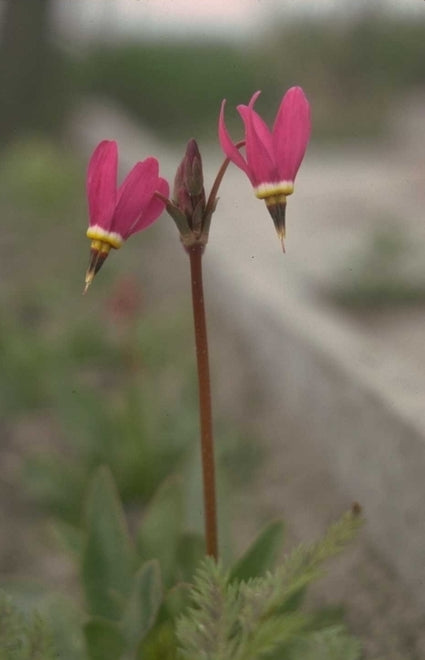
(159, 644)
(261, 556)
(68, 537)
(190, 552)
(107, 558)
(145, 600)
(177, 600)
(104, 640)
(160, 529)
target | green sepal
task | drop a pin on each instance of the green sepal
(160, 529)
(108, 557)
(179, 218)
(207, 220)
(262, 554)
(104, 640)
(198, 217)
(143, 605)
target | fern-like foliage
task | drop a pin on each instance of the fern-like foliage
(330, 644)
(22, 639)
(266, 596)
(208, 628)
(249, 620)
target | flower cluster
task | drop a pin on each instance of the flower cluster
(271, 162)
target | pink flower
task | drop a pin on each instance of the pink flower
(116, 213)
(273, 157)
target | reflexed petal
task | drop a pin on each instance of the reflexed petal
(291, 132)
(258, 145)
(154, 208)
(227, 145)
(261, 128)
(102, 183)
(134, 195)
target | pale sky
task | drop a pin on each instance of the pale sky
(237, 18)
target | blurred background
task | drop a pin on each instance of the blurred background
(109, 378)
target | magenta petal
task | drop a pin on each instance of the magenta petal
(153, 209)
(102, 183)
(291, 132)
(227, 145)
(261, 128)
(134, 195)
(258, 145)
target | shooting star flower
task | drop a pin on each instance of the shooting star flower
(116, 213)
(273, 157)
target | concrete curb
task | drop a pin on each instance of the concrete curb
(362, 408)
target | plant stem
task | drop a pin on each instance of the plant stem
(218, 179)
(207, 444)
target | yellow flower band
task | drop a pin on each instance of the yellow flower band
(275, 190)
(101, 236)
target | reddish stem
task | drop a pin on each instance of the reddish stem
(218, 180)
(207, 444)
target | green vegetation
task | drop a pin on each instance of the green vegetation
(352, 70)
(149, 595)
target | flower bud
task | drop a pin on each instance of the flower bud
(189, 208)
(189, 193)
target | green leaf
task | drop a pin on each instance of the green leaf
(261, 556)
(24, 637)
(40, 640)
(67, 536)
(160, 644)
(302, 566)
(145, 600)
(159, 532)
(177, 600)
(66, 622)
(267, 635)
(190, 552)
(294, 601)
(247, 620)
(207, 629)
(330, 644)
(103, 639)
(108, 557)
(12, 630)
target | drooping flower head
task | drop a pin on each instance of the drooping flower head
(273, 157)
(116, 213)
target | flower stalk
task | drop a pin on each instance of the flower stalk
(192, 212)
(205, 410)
